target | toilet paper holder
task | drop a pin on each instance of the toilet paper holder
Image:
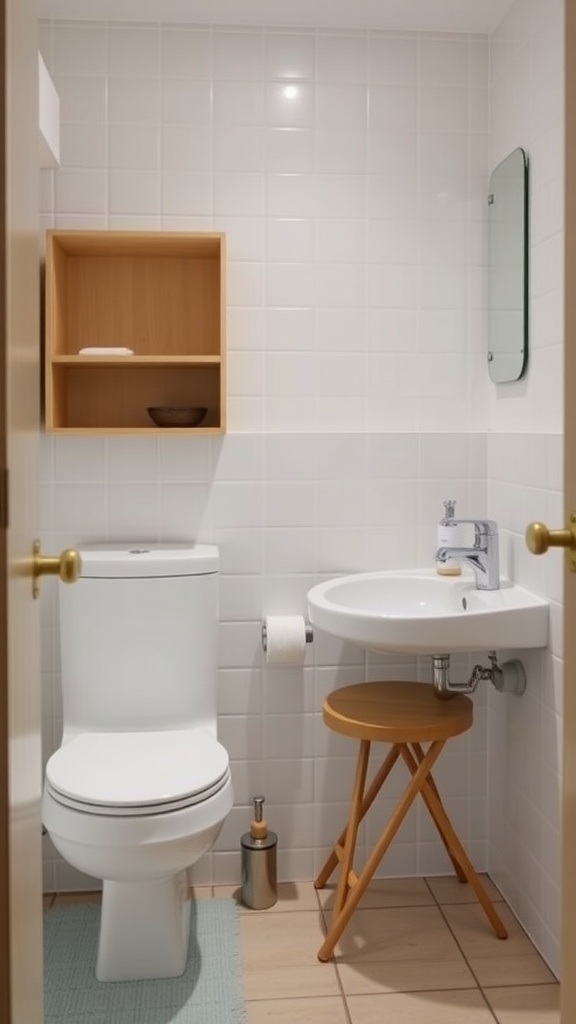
(309, 634)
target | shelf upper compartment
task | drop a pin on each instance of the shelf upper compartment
(154, 292)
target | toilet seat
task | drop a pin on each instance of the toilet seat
(138, 773)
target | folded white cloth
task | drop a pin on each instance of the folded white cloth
(107, 350)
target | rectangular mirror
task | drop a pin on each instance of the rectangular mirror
(508, 269)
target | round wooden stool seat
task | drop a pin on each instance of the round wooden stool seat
(415, 725)
(396, 712)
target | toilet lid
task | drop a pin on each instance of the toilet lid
(137, 772)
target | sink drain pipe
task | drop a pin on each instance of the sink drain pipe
(509, 677)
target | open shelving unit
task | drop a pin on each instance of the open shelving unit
(160, 294)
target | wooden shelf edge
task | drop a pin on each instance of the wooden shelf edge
(135, 361)
(134, 430)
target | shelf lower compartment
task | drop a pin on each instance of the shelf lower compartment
(97, 397)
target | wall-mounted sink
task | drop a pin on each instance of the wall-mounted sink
(417, 611)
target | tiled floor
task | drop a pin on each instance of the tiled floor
(417, 951)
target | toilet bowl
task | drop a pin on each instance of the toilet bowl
(137, 806)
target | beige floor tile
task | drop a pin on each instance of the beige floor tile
(421, 1008)
(476, 936)
(386, 892)
(417, 976)
(511, 961)
(529, 969)
(297, 1011)
(397, 934)
(447, 889)
(527, 1004)
(278, 982)
(279, 956)
(291, 939)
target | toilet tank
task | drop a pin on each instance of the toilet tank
(138, 639)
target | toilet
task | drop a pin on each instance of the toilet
(140, 787)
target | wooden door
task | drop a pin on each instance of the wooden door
(20, 763)
(568, 991)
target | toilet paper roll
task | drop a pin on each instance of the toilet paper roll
(285, 639)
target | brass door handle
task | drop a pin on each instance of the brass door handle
(66, 565)
(539, 539)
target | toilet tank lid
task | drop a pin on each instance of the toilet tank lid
(126, 561)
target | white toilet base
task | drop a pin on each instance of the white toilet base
(144, 930)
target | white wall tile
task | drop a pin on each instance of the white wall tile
(290, 329)
(239, 103)
(393, 152)
(340, 151)
(80, 50)
(444, 108)
(340, 195)
(133, 52)
(185, 193)
(81, 191)
(393, 59)
(238, 148)
(341, 58)
(290, 195)
(289, 105)
(133, 191)
(185, 101)
(289, 55)
(83, 145)
(186, 147)
(238, 193)
(289, 240)
(444, 61)
(133, 511)
(337, 330)
(134, 100)
(237, 54)
(133, 147)
(393, 107)
(289, 150)
(186, 52)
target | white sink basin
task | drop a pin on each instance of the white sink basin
(417, 611)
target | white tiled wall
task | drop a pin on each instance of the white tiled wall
(525, 479)
(349, 172)
(527, 109)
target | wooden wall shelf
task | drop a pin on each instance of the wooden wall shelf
(160, 294)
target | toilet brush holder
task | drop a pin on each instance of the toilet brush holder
(258, 848)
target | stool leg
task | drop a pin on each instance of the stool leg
(419, 754)
(457, 851)
(355, 894)
(352, 829)
(371, 794)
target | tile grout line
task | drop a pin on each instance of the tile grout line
(334, 963)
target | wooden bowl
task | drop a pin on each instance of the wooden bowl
(176, 415)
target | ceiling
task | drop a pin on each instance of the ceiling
(424, 15)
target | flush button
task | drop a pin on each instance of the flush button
(139, 551)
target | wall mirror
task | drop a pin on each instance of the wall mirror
(508, 269)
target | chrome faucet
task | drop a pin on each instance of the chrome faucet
(482, 557)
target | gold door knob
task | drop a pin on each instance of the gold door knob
(539, 539)
(67, 566)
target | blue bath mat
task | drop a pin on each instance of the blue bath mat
(209, 991)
